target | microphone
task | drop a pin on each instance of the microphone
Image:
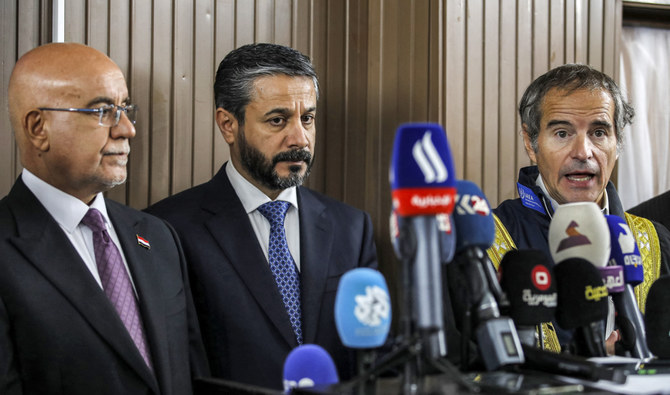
(362, 309)
(625, 256)
(578, 232)
(657, 317)
(363, 315)
(307, 366)
(624, 250)
(582, 305)
(530, 287)
(422, 186)
(496, 335)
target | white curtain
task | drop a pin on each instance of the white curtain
(644, 165)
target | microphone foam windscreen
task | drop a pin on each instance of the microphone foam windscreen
(422, 171)
(579, 230)
(472, 217)
(582, 296)
(529, 285)
(362, 309)
(625, 252)
(307, 366)
(657, 317)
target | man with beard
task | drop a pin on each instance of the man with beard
(264, 284)
(572, 120)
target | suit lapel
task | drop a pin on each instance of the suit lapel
(230, 227)
(316, 242)
(143, 270)
(46, 247)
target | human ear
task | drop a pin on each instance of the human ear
(228, 125)
(35, 130)
(527, 143)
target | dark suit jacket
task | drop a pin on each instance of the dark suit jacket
(656, 209)
(59, 334)
(245, 327)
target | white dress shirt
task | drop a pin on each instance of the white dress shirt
(68, 212)
(251, 198)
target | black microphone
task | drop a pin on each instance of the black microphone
(626, 255)
(657, 317)
(582, 305)
(496, 335)
(529, 285)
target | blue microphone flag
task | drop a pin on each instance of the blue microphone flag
(472, 217)
(422, 173)
(624, 251)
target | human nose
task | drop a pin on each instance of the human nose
(125, 128)
(297, 135)
(582, 148)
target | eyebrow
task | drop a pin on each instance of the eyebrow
(285, 111)
(558, 122)
(105, 100)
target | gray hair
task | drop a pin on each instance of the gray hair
(242, 66)
(572, 77)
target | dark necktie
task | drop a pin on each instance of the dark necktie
(116, 282)
(282, 264)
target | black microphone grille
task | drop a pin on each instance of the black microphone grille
(529, 285)
(582, 296)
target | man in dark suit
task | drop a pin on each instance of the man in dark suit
(251, 311)
(656, 209)
(94, 297)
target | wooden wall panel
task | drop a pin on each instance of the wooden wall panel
(474, 91)
(139, 76)
(557, 33)
(525, 59)
(9, 27)
(204, 70)
(454, 59)
(491, 153)
(506, 111)
(159, 125)
(463, 63)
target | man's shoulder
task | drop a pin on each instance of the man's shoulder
(309, 196)
(656, 208)
(178, 204)
(509, 210)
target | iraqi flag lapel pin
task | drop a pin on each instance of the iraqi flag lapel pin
(143, 242)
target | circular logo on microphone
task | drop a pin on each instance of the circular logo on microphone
(541, 277)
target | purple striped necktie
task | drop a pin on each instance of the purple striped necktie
(116, 281)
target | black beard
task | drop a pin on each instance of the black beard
(263, 170)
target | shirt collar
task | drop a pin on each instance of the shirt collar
(554, 204)
(253, 197)
(66, 209)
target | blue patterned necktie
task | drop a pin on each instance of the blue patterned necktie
(282, 264)
(116, 281)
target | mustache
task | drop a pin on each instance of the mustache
(581, 167)
(292, 156)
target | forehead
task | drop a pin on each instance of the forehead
(581, 104)
(105, 83)
(277, 89)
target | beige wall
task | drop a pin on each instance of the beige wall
(463, 63)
